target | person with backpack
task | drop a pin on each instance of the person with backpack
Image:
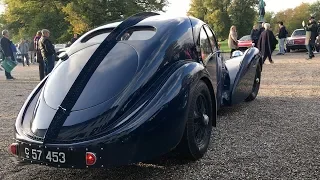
(282, 38)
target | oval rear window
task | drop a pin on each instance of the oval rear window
(138, 34)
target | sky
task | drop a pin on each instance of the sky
(180, 7)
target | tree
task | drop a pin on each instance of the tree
(218, 17)
(314, 10)
(269, 16)
(243, 15)
(65, 17)
(87, 14)
(292, 18)
(198, 9)
(221, 14)
(25, 18)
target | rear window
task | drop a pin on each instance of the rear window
(299, 33)
(97, 36)
(138, 33)
(131, 34)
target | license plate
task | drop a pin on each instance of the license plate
(46, 155)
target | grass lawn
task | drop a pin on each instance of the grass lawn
(225, 49)
(224, 46)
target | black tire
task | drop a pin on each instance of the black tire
(288, 50)
(256, 85)
(197, 133)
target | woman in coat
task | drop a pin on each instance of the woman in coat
(233, 39)
(267, 43)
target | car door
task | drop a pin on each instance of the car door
(214, 64)
(208, 56)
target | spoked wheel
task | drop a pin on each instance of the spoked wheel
(256, 85)
(196, 138)
(201, 121)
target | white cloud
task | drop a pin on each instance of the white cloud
(278, 5)
(178, 7)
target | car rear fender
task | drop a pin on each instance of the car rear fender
(242, 72)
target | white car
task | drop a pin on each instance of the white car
(57, 47)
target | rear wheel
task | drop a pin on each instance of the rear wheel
(256, 85)
(197, 133)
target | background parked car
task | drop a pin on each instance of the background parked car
(245, 42)
(57, 47)
(296, 41)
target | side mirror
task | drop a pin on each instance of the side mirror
(63, 56)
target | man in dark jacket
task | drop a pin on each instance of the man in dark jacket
(282, 37)
(47, 51)
(311, 35)
(6, 50)
(255, 34)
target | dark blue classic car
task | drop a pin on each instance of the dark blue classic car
(131, 91)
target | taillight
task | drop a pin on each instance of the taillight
(90, 158)
(13, 148)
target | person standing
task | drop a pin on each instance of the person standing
(14, 50)
(233, 40)
(261, 29)
(31, 52)
(317, 44)
(47, 51)
(24, 49)
(311, 34)
(267, 43)
(255, 33)
(7, 50)
(282, 37)
(39, 57)
(75, 37)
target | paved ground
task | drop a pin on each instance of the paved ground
(275, 137)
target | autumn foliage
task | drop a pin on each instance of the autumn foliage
(221, 14)
(64, 17)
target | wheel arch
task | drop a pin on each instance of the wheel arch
(213, 99)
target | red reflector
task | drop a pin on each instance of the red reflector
(13, 148)
(90, 158)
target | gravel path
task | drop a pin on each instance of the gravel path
(274, 137)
